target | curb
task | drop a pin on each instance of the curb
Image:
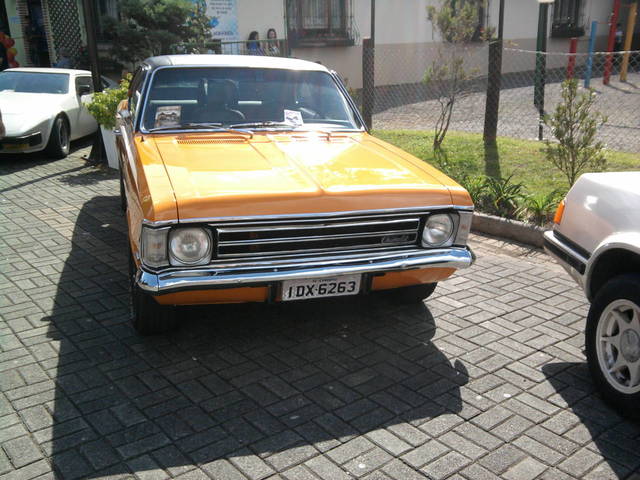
(512, 229)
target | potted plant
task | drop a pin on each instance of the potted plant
(103, 107)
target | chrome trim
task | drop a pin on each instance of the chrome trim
(279, 253)
(321, 232)
(315, 238)
(308, 216)
(568, 258)
(304, 259)
(167, 282)
(314, 227)
(550, 236)
(300, 259)
(352, 104)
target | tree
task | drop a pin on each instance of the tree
(574, 124)
(152, 27)
(448, 74)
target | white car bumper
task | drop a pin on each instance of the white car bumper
(32, 142)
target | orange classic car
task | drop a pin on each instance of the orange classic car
(254, 179)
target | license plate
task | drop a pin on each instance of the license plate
(321, 287)
(14, 146)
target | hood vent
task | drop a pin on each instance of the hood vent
(209, 140)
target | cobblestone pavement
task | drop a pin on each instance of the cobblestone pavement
(485, 380)
(518, 117)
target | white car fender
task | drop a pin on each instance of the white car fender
(629, 241)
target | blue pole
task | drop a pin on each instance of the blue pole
(592, 46)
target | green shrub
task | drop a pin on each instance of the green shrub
(476, 185)
(539, 208)
(502, 196)
(104, 105)
(574, 124)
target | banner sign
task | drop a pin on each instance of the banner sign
(224, 19)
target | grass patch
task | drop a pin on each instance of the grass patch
(524, 159)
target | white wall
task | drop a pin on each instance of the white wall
(400, 21)
(404, 36)
(261, 15)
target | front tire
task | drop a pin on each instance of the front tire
(59, 139)
(613, 343)
(147, 315)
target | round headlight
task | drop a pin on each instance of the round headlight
(437, 230)
(190, 246)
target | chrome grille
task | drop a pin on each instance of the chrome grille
(309, 236)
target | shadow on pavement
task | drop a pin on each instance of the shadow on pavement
(13, 163)
(615, 437)
(240, 382)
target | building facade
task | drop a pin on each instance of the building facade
(331, 31)
(327, 31)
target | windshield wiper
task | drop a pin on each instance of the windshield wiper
(263, 124)
(188, 125)
(212, 126)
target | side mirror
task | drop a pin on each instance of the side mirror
(84, 90)
(124, 114)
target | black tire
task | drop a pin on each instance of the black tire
(59, 139)
(621, 293)
(147, 315)
(412, 294)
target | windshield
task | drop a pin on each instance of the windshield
(249, 98)
(34, 82)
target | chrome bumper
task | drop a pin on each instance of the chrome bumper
(573, 262)
(262, 273)
(563, 253)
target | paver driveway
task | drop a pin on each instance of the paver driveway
(487, 379)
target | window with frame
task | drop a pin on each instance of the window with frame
(319, 22)
(105, 9)
(567, 19)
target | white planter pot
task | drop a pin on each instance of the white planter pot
(109, 139)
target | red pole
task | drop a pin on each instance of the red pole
(573, 48)
(612, 39)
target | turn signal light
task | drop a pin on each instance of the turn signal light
(559, 212)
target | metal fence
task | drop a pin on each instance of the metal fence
(405, 100)
(267, 47)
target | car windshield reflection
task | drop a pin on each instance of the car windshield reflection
(247, 98)
(34, 82)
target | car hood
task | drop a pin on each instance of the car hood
(22, 112)
(222, 175)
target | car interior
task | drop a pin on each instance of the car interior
(232, 95)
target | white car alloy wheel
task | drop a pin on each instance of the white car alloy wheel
(618, 345)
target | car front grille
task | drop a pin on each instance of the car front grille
(260, 239)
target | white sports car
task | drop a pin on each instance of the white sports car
(43, 109)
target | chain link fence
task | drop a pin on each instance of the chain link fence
(275, 47)
(404, 100)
